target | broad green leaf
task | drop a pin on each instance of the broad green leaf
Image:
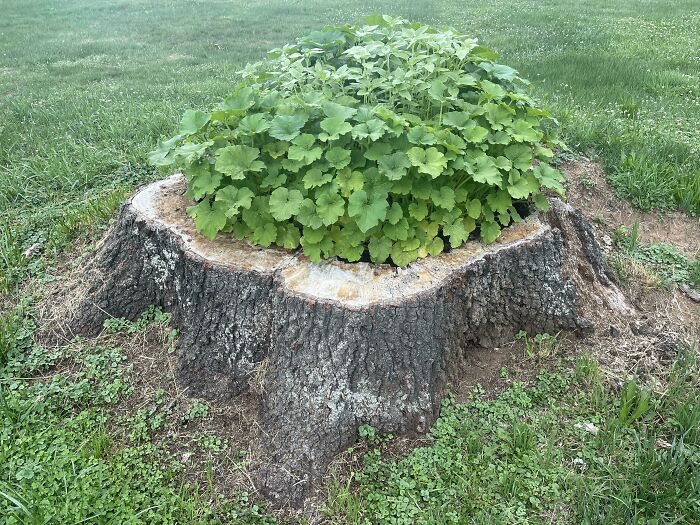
(330, 207)
(418, 210)
(293, 165)
(286, 127)
(435, 246)
(315, 178)
(209, 219)
(239, 101)
(373, 129)
(192, 121)
(307, 215)
(376, 184)
(437, 90)
(349, 181)
(520, 155)
(284, 203)
(498, 116)
(541, 202)
(288, 236)
(349, 252)
(524, 186)
(490, 231)
(265, 234)
(204, 183)
(502, 163)
(444, 197)
(474, 208)
(334, 127)
(499, 201)
(398, 231)
(235, 161)
(303, 150)
(395, 213)
(456, 232)
(338, 157)
(451, 142)
(273, 179)
(394, 166)
(367, 210)
(191, 152)
(422, 188)
(331, 109)
(457, 119)
(429, 161)
(276, 149)
(474, 133)
(380, 249)
(235, 199)
(486, 172)
(254, 123)
(549, 177)
(405, 252)
(522, 131)
(378, 150)
(163, 154)
(420, 135)
(492, 90)
(499, 71)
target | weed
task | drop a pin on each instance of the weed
(198, 410)
(541, 346)
(634, 403)
(152, 315)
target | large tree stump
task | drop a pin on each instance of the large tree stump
(335, 345)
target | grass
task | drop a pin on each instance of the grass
(60, 459)
(562, 450)
(567, 447)
(86, 90)
(657, 264)
(86, 97)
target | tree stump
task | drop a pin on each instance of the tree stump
(336, 345)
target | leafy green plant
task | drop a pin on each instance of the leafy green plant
(663, 261)
(386, 142)
(153, 314)
(539, 346)
(198, 410)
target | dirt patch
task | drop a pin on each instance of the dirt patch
(589, 191)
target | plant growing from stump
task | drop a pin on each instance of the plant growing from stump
(388, 141)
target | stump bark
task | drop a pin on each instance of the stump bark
(333, 346)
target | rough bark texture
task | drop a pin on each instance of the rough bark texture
(330, 347)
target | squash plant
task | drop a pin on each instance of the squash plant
(383, 142)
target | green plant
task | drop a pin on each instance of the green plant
(153, 314)
(198, 410)
(658, 262)
(540, 346)
(381, 141)
(634, 403)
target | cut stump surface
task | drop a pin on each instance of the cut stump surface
(329, 347)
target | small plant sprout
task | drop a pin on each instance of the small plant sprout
(541, 346)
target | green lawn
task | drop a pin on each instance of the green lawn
(87, 87)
